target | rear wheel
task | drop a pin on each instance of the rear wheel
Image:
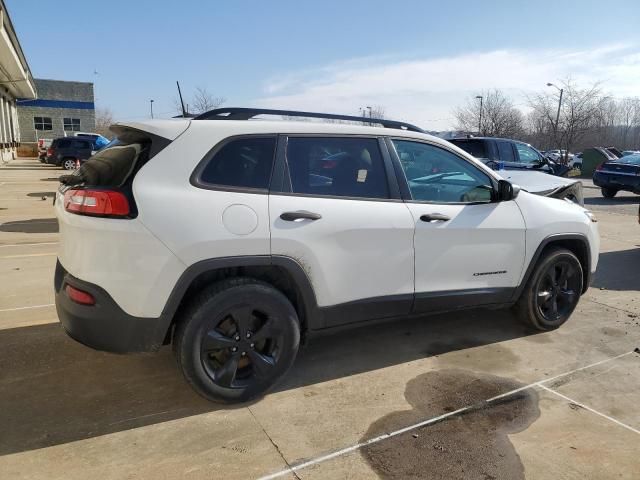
(238, 338)
(69, 163)
(553, 290)
(608, 192)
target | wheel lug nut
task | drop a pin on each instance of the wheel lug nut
(252, 345)
(244, 353)
(248, 334)
(234, 349)
(237, 339)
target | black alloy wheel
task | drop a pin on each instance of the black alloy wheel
(552, 290)
(236, 339)
(242, 346)
(558, 290)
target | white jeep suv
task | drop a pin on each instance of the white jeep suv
(233, 237)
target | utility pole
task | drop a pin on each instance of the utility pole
(151, 104)
(370, 116)
(480, 116)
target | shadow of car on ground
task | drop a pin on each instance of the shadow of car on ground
(35, 225)
(618, 270)
(58, 391)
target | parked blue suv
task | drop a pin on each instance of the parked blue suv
(510, 154)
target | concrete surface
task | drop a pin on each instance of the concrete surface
(69, 412)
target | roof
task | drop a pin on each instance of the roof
(172, 128)
(15, 72)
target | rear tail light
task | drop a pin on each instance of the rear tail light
(49, 152)
(599, 167)
(80, 296)
(41, 143)
(100, 203)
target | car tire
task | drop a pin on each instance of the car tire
(69, 164)
(236, 340)
(608, 192)
(547, 300)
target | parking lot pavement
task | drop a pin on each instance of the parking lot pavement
(405, 399)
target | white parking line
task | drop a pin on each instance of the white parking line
(611, 419)
(26, 308)
(27, 244)
(30, 255)
(300, 466)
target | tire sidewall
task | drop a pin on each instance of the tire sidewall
(207, 312)
(535, 316)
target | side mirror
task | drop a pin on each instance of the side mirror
(507, 191)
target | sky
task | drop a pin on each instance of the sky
(418, 59)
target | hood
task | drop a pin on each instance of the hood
(535, 182)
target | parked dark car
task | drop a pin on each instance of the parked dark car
(64, 152)
(619, 174)
(510, 154)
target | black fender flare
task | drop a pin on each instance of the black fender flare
(313, 315)
(543, 244)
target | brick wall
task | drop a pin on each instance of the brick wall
(57, 93)
(29, 134)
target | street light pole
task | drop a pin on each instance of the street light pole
(151, 103)
(480, 116)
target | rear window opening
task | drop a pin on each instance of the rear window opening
(115, 165)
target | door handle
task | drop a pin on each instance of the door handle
(299, 215)
(434, 217)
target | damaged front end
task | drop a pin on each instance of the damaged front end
(571, 192)
(540, 183)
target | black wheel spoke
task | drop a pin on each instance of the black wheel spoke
(544, 296)
(554, 307)
(268, 330)
(226, 374)
(565, 273)
(567, 295)
(243, 317)
(262, 364)
(214, 340)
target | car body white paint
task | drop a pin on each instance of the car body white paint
(360, 249)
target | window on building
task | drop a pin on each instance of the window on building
(42, 123)
(71, 124)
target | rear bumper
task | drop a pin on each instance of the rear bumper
(628, 183)
(104, 326)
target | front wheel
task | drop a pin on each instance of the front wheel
(237, 339)
(608, 192)
(552, 291)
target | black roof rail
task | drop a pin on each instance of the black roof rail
(247, 113)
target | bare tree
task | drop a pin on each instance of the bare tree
(104, 119)
(204, 101)
(500, 118)
(581, 112)
(201, 101)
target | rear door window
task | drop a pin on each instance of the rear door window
(81, 144)
(477, 148)
(337, 167)
(63, 143)
(505, 150)
(241, 163)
